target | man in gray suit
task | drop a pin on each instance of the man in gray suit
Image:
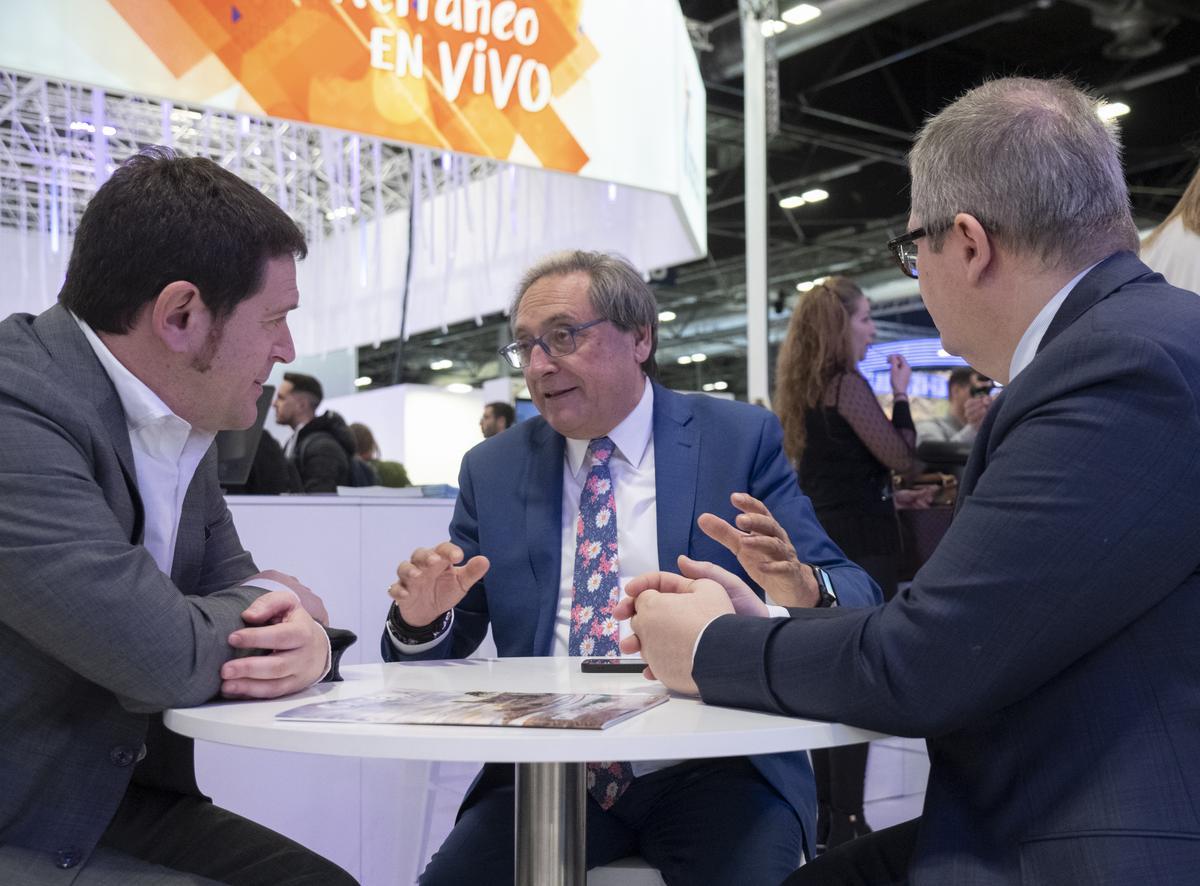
(123, 587)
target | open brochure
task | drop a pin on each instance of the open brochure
(555, 710)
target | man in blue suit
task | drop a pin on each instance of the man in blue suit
(585, 328)
(1048, 648)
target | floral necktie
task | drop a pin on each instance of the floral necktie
(597, 586)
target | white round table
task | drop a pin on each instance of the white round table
(550, 795)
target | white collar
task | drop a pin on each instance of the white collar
(142, 406)
(1028, 345)
(630, 437)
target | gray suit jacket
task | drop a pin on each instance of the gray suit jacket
(94, 639)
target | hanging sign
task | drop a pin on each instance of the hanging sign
(606, 89)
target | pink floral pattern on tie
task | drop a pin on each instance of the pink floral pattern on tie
(594, 631)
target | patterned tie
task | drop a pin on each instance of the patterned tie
(594, 631)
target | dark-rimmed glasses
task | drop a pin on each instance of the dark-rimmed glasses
(905, 250)
(557, 342)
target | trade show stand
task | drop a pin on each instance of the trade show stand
(379, 819)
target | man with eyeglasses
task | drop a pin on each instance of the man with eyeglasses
(555, 514)
(1047, 650)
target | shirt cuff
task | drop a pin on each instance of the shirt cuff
(415, 648)
(269, 584)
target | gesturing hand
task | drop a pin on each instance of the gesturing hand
(429, 584)
(765, 551)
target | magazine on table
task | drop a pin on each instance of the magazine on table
(551, 710)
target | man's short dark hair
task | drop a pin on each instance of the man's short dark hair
(306, 384)
(961, 377)
(164, 217)
(504, 411)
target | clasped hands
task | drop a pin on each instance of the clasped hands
(288, 628)
(668, 612)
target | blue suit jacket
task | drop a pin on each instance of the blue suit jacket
(510, 509)
(1048, 649)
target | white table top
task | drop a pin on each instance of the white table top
(682, 728)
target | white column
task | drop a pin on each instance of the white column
(756, 203)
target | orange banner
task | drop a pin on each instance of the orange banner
(467, 76)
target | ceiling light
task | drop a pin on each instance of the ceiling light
(800, 13)
(684, 360)
(362, 381)
(340, 212)
(771, 27)
(699, 358)
(806, 286)
(816, 195)
(720, 385)
(459, 387)
(1112, 110)
(791, 202)
(666, 316)
(438, 365)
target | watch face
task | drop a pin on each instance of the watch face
(827, 597)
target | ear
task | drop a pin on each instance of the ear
(642, 341)
(179, 318)
(978, 251)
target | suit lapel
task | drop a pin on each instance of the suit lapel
(1100, 282)
(66, 343)
(676, 473)
(541, 486)
(1107, 277)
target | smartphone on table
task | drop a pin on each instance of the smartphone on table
(613, 666)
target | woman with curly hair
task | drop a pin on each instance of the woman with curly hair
(845, 449)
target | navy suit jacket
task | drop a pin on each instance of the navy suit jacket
(1048, 649)
(510, 509)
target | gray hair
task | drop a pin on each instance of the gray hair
(617, 291)
(1033, 161)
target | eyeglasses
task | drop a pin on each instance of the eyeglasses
(905, 250)
(558, 342)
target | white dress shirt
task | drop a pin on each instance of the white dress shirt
(632, 470)
(166, 452)
(1028, 345)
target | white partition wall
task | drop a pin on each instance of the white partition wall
(378, 819)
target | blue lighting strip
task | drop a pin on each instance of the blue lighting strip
(921, 353)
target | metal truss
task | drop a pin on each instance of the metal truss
(59, 141)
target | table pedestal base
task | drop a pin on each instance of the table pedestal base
(551, 819)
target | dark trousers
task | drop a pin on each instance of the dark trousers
(878, 859)
(840, 772)
(188, 833)
(712, 822)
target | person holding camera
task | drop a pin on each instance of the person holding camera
(970, 396)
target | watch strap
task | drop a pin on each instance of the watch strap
(411, 635)
(826, 596)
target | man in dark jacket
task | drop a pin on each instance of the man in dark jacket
(321, 446)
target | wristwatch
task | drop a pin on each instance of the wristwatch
(826, 596)
(414, 636)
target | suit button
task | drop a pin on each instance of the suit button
(122, 756)
(67, 858)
